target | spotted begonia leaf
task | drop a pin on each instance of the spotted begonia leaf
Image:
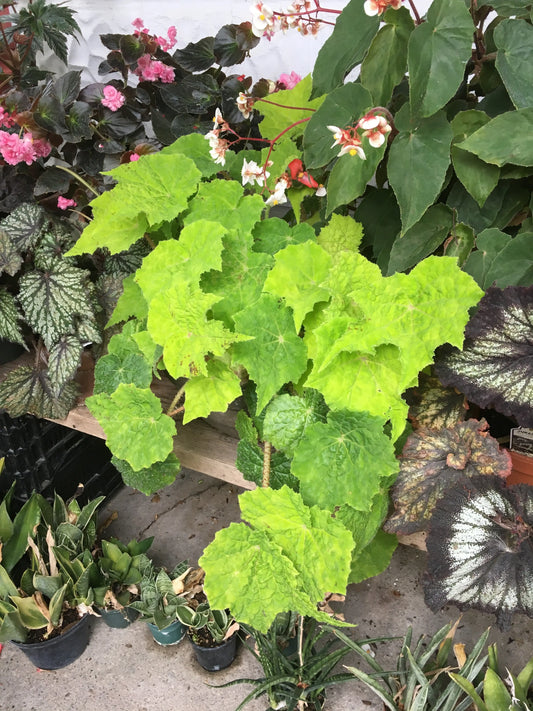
(135, 427)
(24, 225)
(288, 416)
(495, 368)
(480, 549)
(434, 460)
(303, 552)
(276, 355)
(149, 480)
(28, 390)
(10, 257)
(9, 315)
(212, 392)
(344, 461)
(433, 406)
(63, 361)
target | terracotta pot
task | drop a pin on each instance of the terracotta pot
(522, 471)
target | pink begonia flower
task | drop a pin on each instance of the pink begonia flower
(290, 80)
(64, 203)
(113, 98)
(378, 7)
(5, 118)
(25, 149)
(152, 70)
(167, 44)
(134, 157)
(41, 148)
(139, 25)
(376, 129)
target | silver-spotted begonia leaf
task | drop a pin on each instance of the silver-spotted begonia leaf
(24, 225)
(28, 390)
(9, 315)
(10, 257)
(434, 460)
(303, 552)
(495, 367)
(480, 549)
(63, 361)
(344, 461)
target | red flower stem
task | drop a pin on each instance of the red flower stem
(285, 130)
(415, 12)
(282, 106)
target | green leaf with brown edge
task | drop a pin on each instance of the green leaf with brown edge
(505, 139)
(439, 49)
(342, 107)
(276, 355)
(460, 243)
(135, 427)
(434, 460)
(495, 367)
(432, 406)
(212, 392)
(346, 47)
(423, 151)
(152, 479)
(513, 39)
(344, 461)
(386, 60)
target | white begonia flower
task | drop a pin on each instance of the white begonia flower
(262, 19)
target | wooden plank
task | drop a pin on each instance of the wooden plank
(201, 445)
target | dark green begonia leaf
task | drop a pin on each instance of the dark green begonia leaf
(196, 56)
(514, 39)
(505, 139)
(495, 367)
(480, 549)
(149, 480)
(434, 460)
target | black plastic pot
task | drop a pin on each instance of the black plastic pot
(214, 659)
(60, 651)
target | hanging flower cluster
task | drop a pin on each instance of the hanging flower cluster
(149, 69)
(166, 44)
(252, 173)
(22, 149)
(297, 15)
(378, 7)
(218, 146)
(374, 127)
(113, 98)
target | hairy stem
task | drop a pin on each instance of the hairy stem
(267, 448)
(172, 407)
(79, 179)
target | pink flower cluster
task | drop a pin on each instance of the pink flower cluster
(113, 98)
(64, 203)
(149, 69)
(378, 7)
(289, 81)
(26, 149)
(297, 15)
(165, 44)
(6, 120)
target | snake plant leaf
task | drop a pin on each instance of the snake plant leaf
(64, 359)
(53, 296)
(10, 257)
(344, 461)
(250, 462)
(9, 315)
(29, 390)
(24, 225)
(433, 406)
(276, 355)
(480, 552)
(212, 392)
(495, 368)
(136, 428)
(298, 276)
(288, 416)
(30, 613)
(434, 460)
(153, 478)
(304, 553)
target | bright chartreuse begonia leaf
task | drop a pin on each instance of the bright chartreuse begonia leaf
(288, 416)
(374, 558)
(295, 552)
(280, 111)
(298, 276)
(155, 477)
(250, 462)
(422, 151)
(276, 355)
(438, 51)
(111, 370)
(212, 392)
(341, 234)
(344, 461)
(273, 234)
(197, 251)
(196, 147)
(136, 429)
(178, 321)
(130, 303)
(223, 201)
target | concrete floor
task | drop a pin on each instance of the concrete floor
(126, 670)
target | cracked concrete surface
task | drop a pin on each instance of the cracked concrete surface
(125, 669)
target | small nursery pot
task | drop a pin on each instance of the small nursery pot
(172, 634)
(60, 651)
(118, 618)
(216, 658)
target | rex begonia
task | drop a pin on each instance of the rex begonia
(378, 7)
(113, 98)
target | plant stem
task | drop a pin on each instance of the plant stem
(78, 178)
(175, 401)
(415, 12)
(282, 106)
(267, 448)
(301, 639)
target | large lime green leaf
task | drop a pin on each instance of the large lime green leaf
(478, 177)
(421, 151)
(386, 61)
(287, 558)
(298, 277)
(134, 424)
(514, 39)
(194, 146)
(178, 320)
(273, 234)
(502, 260)
(506, 139)
(439, 49)
(344, 461)
(111, 370)
(288, 416)
(346, 47)
(212, 392)
(344, 106)
(374, 558)
(278, 113)
(197, 251)
(341, 234)
(222, 201)
(130, 303)
(276, 355)
(155, 477)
